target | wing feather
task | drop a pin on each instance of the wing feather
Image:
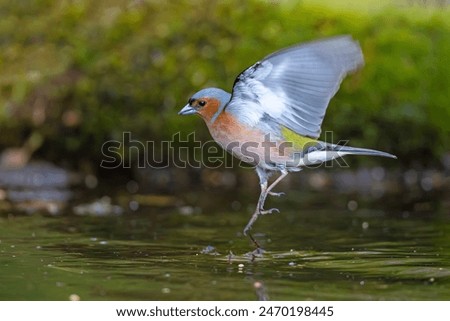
(294, 86)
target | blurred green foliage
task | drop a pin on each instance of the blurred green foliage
(78, 73)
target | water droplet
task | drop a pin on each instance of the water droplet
(426, 183)
(132, 187)
(410, 177)
(378, 173)
(236, 205)
(133, 205)
(91, 181)
(186, 210)
(74, 297)
(352, 205)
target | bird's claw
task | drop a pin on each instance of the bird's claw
(277, 194)
(255, 216)
(269, 211)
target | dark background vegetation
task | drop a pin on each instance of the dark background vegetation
(75, 74)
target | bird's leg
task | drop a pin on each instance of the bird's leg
(259, 206)
(283, 175)
(262, 199)
(268, 191)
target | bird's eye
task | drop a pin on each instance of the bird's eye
(202, 103)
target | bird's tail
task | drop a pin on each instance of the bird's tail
(347, 150)
(322, 152)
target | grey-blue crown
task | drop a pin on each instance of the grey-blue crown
(217, 93)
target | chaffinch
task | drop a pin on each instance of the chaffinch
(272, 119)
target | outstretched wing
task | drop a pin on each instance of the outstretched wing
(294, 86)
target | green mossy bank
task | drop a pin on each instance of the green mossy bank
(75, 74)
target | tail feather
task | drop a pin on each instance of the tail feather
(347, 150)
(323, 152)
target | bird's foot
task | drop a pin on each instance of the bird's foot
(269, 211)
(256, 253)
(277, 194)
(255, 215)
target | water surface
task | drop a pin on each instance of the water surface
(318, 251)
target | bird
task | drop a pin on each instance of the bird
(272, 118)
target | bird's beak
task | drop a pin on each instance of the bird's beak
(187, 110)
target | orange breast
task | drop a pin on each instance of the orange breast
(248, 144)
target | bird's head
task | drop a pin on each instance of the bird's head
(206, 103)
